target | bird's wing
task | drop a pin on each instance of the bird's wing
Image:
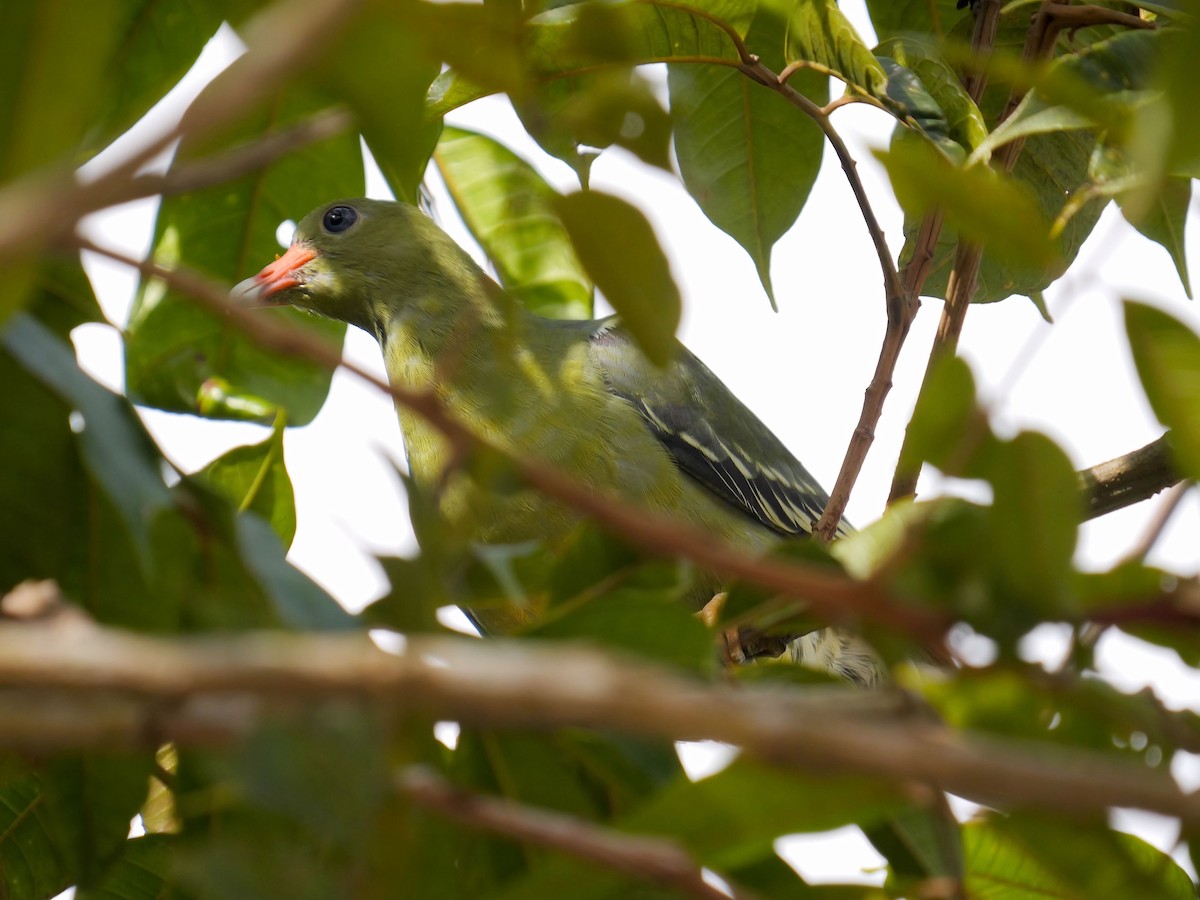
(710, 434)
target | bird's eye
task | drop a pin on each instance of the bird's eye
(339, 219)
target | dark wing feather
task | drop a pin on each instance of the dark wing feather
(711, 435)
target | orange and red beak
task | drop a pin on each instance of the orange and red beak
(278, 276)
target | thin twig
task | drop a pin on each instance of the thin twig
(649, 858)
(902, 309)
(1158, 522)
(900, 312)
(88, 686)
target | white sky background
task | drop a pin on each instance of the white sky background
(802, 370)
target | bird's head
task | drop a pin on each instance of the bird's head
(357, 261)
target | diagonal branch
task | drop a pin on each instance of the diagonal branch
(900, 308)
(648, 858)
(84, 686)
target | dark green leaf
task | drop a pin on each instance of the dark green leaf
(158, 43)
(891, 18)
(56, 519)
(909, 100)
(141, 872)
(53, 78)
(938, 89)
(920, 842)
(1167, 354)
(509, 209)
(619, 249)
(556, 48)
(64, 298)
(66, 822)
(297, 600)
(747, 156)
(172, 346)
(114, 446)
(1023, 702)
(644, 617)
(385, 87)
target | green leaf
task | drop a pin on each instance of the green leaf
(947, 428)
(1053, 167)
(53, 78)
(555, 48)
(141, 873)
(582, 774)
(295, 599)
(385, 88)
(1163, 220)
(509, 209)
(733, 818)
(1019, 701)
(1166, 137)
(728, 821)
(1034, 519)
(84, 503)
(908, 100)
(747, 156)
(573, 118)
(66, 821)
(951, 110)
(255, 479)
(51, 82)
(172, 347)
(619, 250)
(892, 18)
(1027, 857)
(64, 298)
(1167, 355)
(991, 209)
(641, 614)
(158, 43)
(604, 101)
(920, 842)
(56, 518)
(818, 32)
(1101, 86)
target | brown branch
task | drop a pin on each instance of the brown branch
(900, 310)
(1129, 478)
(833, 596)
(648, 858)
(84, 686)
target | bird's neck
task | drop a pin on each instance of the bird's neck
(448, 325)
